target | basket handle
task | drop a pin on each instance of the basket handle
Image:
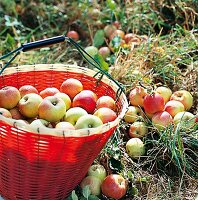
(55, 40)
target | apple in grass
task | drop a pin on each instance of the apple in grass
(109, 29)
(136, 96)
(94, 184)
(184, 97)
(104, 52)
(71, 87)
(52, 109)
(65, 98)
(88, 121)
(132, 114)
(138, 130)
(28, 105)
(86, 99)
(73, 34)
(173, 107)
(27, 89)
(6, 113)
(9, 97)
(106, 101)
(50, 91)
(161, 120)
(165, 92)
(98, 171)
(114, 186)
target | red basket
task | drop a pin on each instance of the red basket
(49, 165)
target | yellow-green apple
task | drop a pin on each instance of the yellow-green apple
(16, 113)
(65, 98)
(88, 121)
(138, 130)
(86, 99)
(28, 105)
(38, 124)
(161, 120)
(136, 96)
(9, 97)
(94, 184)
(91, 50)
(153, 103)
(165, 92)
(71, 87)
(104, 52)
(107, 102)
(50, 91)
(109, 29)
(173, 107)
(184, 97)
(114, 186)
(65, 126)
(27, 89)
(132, 114)
(135, 148)
(52, 109)
(5, 113)
(73, 114)
(98, 171)
(185, 118)
(105, 114)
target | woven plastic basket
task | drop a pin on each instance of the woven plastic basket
(50, 164)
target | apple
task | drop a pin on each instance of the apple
(98, 171)
(117, 32)
(153, 103)
(16, 113)
(65, 98)
(73, 114)
(94, 13)
(28, 105)
(38, 124)
(106, 101)
(88, 121)
(52, 109)
(71, 87)
(185, 118)
(65, 126)
(105, 114)
(104, 52)
(136, 96)
(130, 37)
(116, 24)
(6, 113)
(86, 99)
(184, 97)
(109, 29)
(173, 107)
(27, 89)
(91, 50)
(138, 130)
(114, 186)
(9, 97)
(161, 119)
(50, 91)
(94, 184)
(164, 92)
(135, 148)
(132, 114)
(149, 115)
(73, 34)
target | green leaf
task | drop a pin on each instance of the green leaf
(111, 4)
(115, 165)
(134, 191)
(86, 191)
(99, 38)
(103, 64)
(73, 196)
(93, 197)
(10, 40)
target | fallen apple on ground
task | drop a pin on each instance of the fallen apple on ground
(138, 130)
(165, 92)
(98, 171)
(173, 107)
(132, 114)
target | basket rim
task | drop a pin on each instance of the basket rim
(18, 124)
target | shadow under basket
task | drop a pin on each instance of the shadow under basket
(49, 166)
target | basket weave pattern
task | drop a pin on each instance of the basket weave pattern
(41, 166)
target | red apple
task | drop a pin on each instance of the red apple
(86, 99)
(52, 109)
(50, 91)
(138, 130)
(65, 98)
(137, 95)
(164, 92)
(153, 103)
(16, 113)
(9, 97)
(106, 102)
(130, 37)
(74, 35)
(184, 97)
(71, 87)
(114, 186)
(27, 89)
(161, 120)
(28, 105)
(6, 113)
(173, 107)
(65, 126)
(105, 114)
(132, 114)
(104, 52)
(117, 32)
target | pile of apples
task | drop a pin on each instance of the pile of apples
(69, 107)
(112, 185)
(162, 107)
